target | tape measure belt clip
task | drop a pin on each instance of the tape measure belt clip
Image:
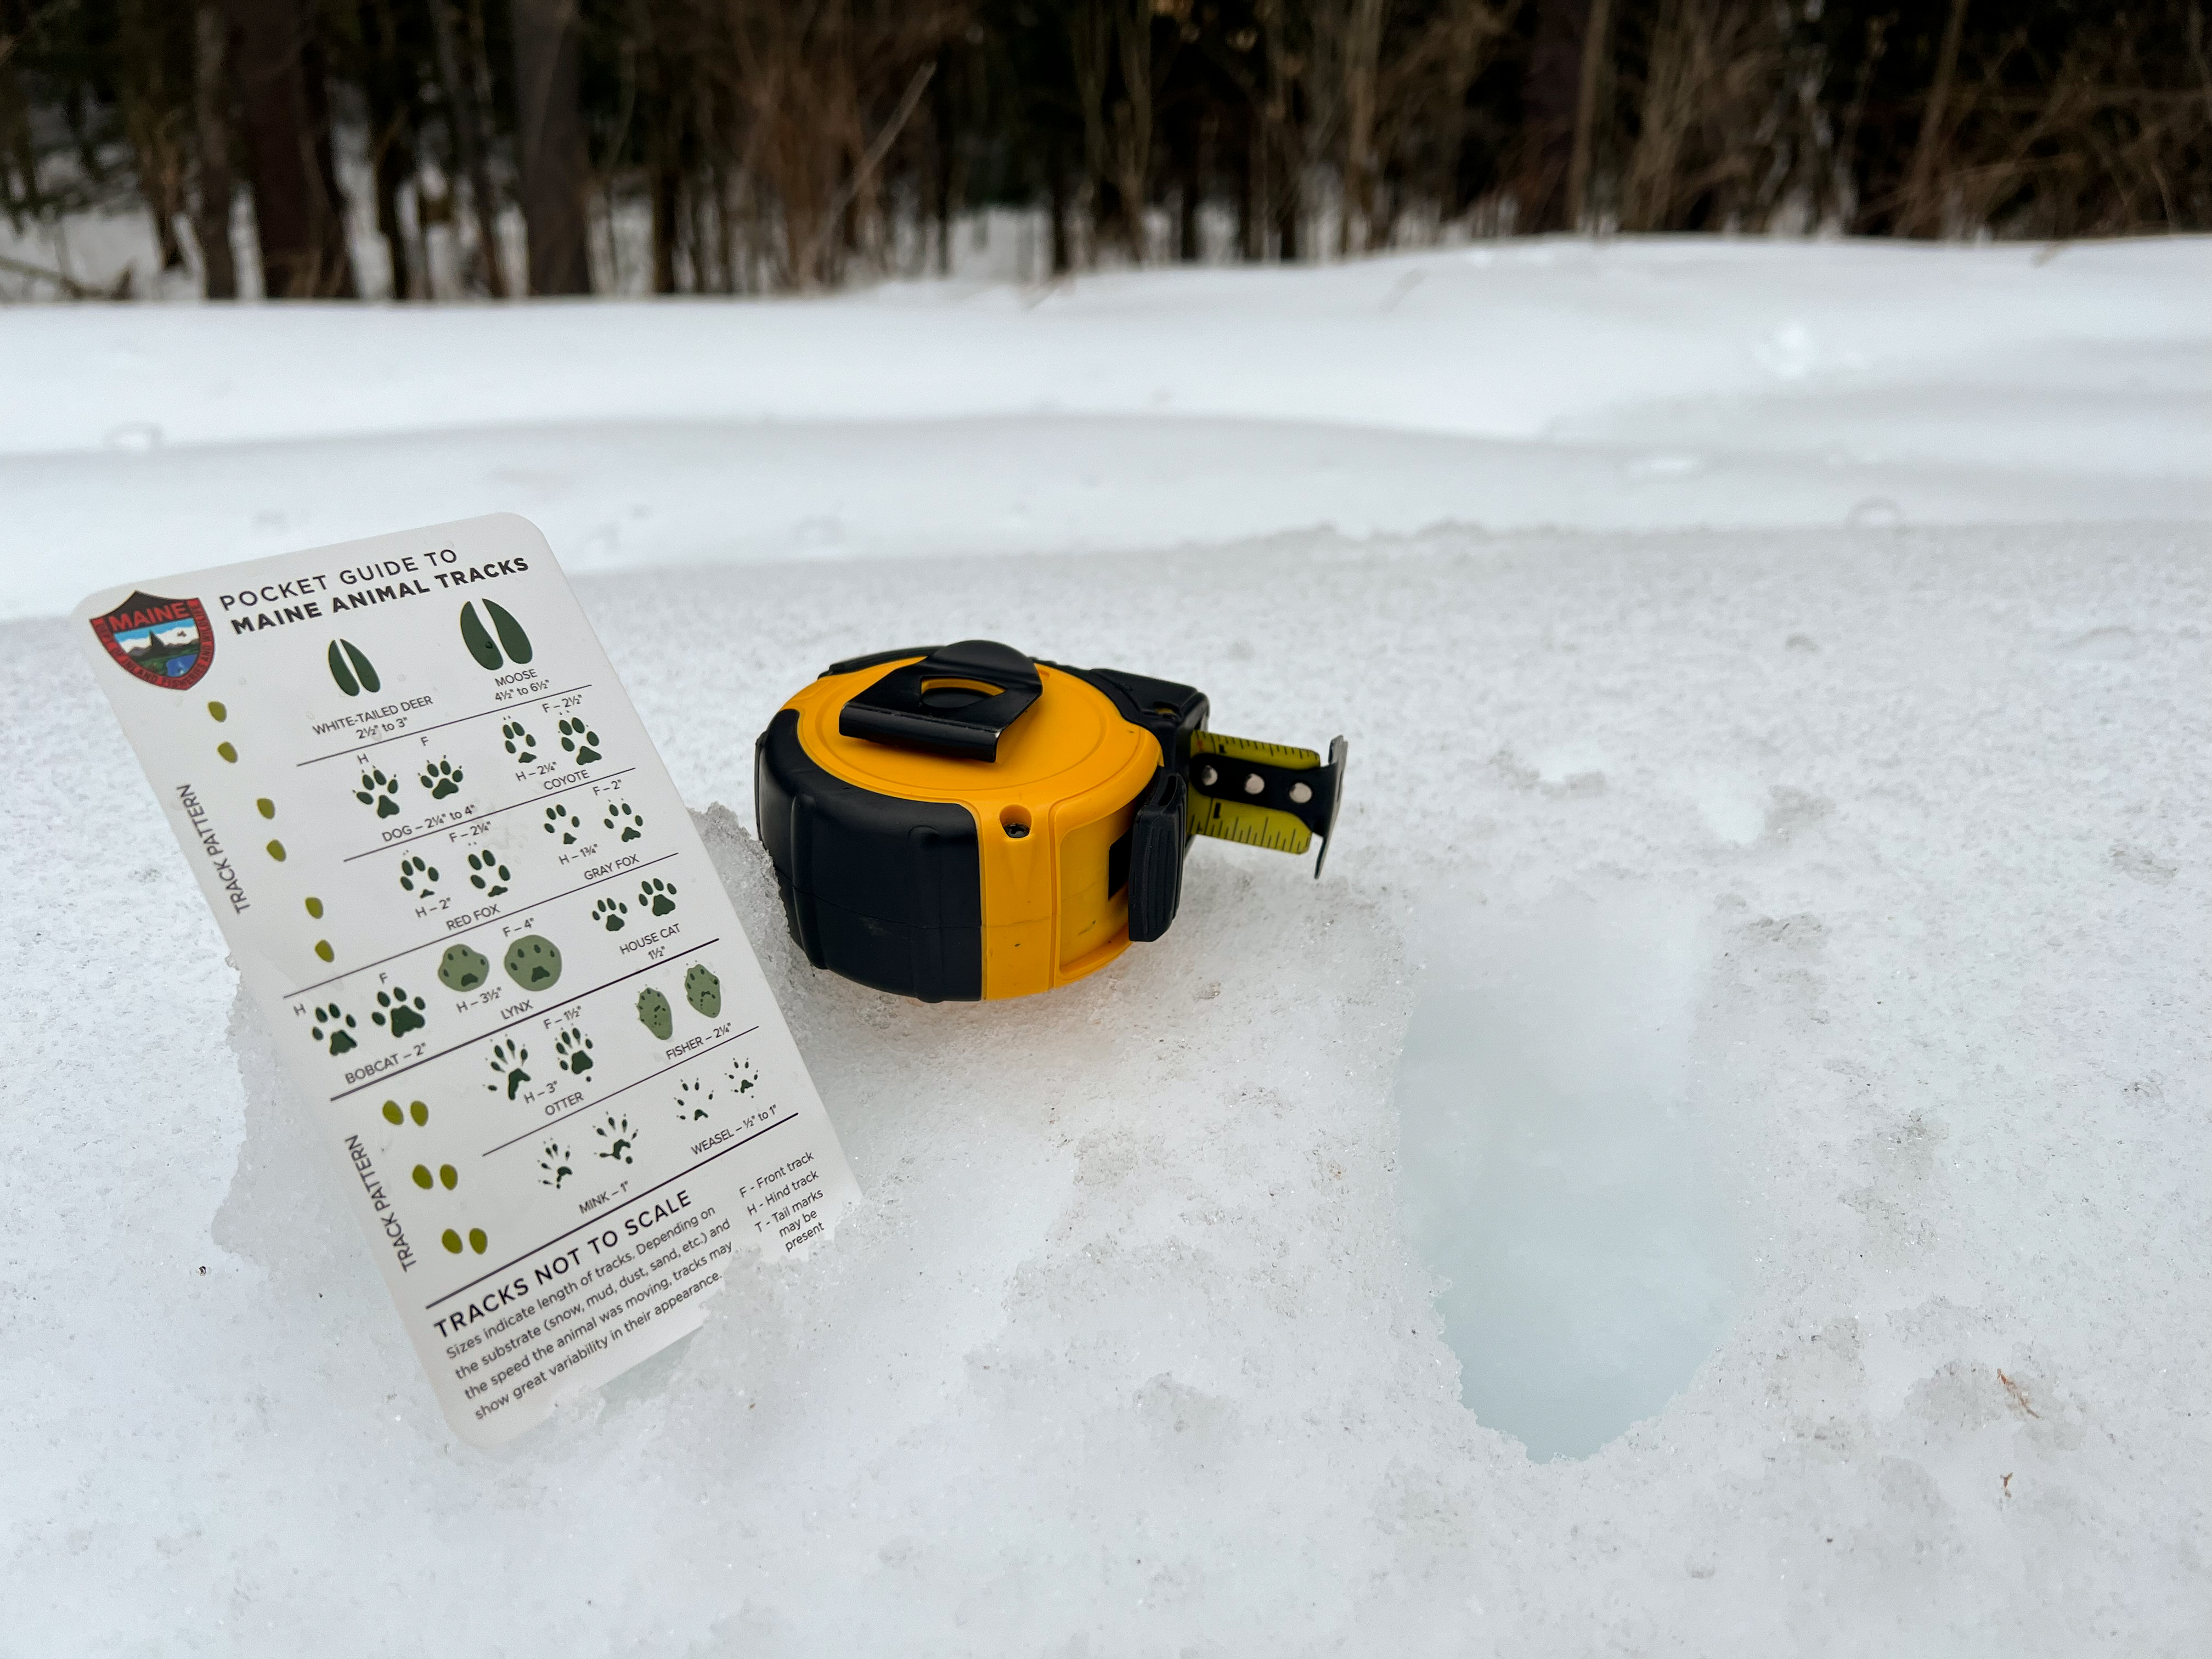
(960, 822)
(958, 700)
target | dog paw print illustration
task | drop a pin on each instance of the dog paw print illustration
(702, 990)
(417, 876)
(654, 1013)
(441, 777)
(559, 821)
(334, 1026)
(519, 743)
(609, 914)
(615, 1138)
(507, 1059)
(377, 790)
(656, 895)
(622, 816)
(692, 1099)
(553, 1168)
(572, 1052)
(487, 874)
(583, 744)
(399, 1011)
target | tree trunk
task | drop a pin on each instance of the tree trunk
(1594, 40)
(1924, 213)
(1363, 56)
(1132, 124)
(1551, 94)
(1063, 255)
(299, 217)
(549, 135)
(468, 146)
(211, 131)
(388, 88)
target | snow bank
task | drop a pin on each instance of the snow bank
(1632, 384)
(1827, 907)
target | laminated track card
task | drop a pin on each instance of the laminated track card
(469, 901)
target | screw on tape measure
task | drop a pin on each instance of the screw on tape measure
(1264, 794)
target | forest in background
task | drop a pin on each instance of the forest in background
(792, 145)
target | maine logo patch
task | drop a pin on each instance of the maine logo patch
(163, 641)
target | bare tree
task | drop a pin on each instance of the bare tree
(211, 139)
(550, 138)
(299, 217)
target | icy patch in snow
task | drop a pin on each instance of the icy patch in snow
(1554, 1168)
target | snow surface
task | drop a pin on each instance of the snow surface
(1545, 382)
(1747, 1050)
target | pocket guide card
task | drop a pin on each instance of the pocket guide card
(472, 906)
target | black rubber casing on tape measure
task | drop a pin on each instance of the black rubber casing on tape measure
(889, 889)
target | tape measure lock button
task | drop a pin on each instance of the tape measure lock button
(962, 822)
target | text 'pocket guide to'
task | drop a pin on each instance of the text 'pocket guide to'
(469, 901)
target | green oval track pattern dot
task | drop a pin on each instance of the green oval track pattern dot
(266, 807)
(218, 711)
(276, 851)
(227, 752)
(322, 950)
(315, 909)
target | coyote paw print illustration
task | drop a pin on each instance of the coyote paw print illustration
(377, 790)
(519, 743)
(692, 1097)
(507, 1060)
(559, 821)
(572, 1052)
(554, 1168)
(615, 1134)
(609, 914)
(402, 1012)
(583, 744)
(334, 1026)
(441, 777)
(487, 873)
(657, 895)
(417, 876)
(621, 816)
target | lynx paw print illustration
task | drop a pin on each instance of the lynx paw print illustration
(417, 876)
(609, 913)
(572, 1052)
(656, 895)
(507, 1060)
(559, 821)
(583, 744)
(441, 777)
(377, 790)
(554, 1168)
(519, 743)
(615, 1140)
(487, 873)
(333, 1025)
(621, 816)
(692, 1099)
(400, 1012)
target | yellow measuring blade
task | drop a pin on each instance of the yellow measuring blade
(1250, 749)
(1241, 821)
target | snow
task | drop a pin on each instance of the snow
(1520, 384)
(1718, 1164)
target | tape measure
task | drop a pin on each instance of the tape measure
(961, 821)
